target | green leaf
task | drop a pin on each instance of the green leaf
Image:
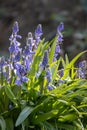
(75, 109)
(2, 123)
(47, 126)
(66, 126)
(63, 101)
(68, 117)
(38, 57)
(10, 95)
(23, 115)
(63, 62)
(66, 59)
(45, 116)
(52, 51)
(9, 124)
(69, 66)
(78, 124)
(54, 69)
(73, 72)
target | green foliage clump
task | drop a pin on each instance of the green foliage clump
(58, 102)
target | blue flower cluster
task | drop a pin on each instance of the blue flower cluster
(19, 62)
(16, 68)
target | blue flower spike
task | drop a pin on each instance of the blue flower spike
(45, 60)
(15, 28)
(82, 69)
(38, 33)
(60, 28)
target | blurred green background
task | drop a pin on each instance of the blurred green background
(29, 13)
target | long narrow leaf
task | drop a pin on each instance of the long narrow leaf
(52, 51)
(23, 115)
(45, 116)
(10, 95)
(2, 123)
(38, 58)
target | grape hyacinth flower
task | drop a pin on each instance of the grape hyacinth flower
(28, 52)
(3, 64)
(60, 82)
(17, 57)
(57, 51)
(31, 41)
(82, 69)
(44, 63)
(20, 80)
(27, 63)
(7, 74)
(45, 66)
(10, 106)
(49, 87)
(21, 74)
(29, 46)
(60, 28)
(61, 72)
(38, 33)
(49, 78)
(15, 28)
(14, 48)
